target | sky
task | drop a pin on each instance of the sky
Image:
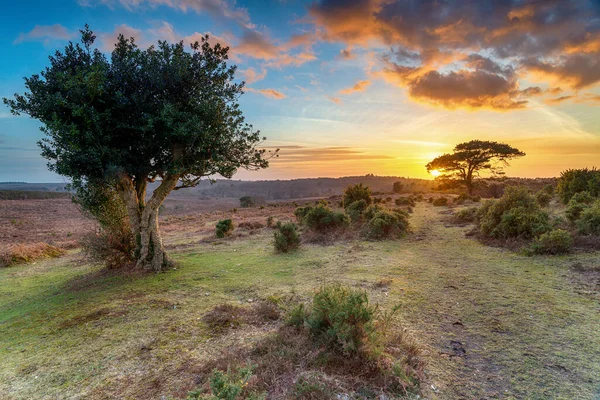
(357, 86)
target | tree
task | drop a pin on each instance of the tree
(469, 159)
(162, 114)
(397, 187)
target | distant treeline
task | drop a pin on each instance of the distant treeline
(40, 187)
(32, 195)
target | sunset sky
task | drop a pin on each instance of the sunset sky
(354, 87)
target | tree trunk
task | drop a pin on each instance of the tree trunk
(152, 254)
(143, 218)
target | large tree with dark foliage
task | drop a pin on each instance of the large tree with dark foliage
(469, 159)
(166, 114)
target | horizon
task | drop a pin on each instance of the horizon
(356, 87)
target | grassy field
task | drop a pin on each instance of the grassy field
(491, 323)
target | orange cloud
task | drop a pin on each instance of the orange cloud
(272, 93)
(250, 75)
(45, 33)
(358, 87)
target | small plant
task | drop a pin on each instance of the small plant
(286, 237)
(588, 222)
(246, 201)
(468, 214)
(224, 228)
(229, 385)
(440, 202)
(557, 241)
(386, 224)
(270, 221)
(343, 318)
(322, 219)
(406, 201)
(223, 316)
(356, 193)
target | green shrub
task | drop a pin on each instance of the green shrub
(557, 241)
(583, 198)
(228, 385)
(397, 187)
(370, 212)
(573, 181)
(356, 209)
(344, 319)
(468, 214)
(579, 202)
(286, 237)
(466, 197)
(246, 201)
(355, 193)
(322, 219)
(406, 201)
(386, 224)
(440, 201)
(543, 198)
(301, 212)
(548, 189)
(224, 228)
(588, 222)
(515, 215)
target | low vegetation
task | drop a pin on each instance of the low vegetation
(24, 253)
(224, 228)
(556, 241)
(286, 237)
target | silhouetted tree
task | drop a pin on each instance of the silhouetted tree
(163, 114)
(471, 158)
(397, 187)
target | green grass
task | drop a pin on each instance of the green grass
(69, 330)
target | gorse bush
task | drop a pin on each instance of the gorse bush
(356, 209)
(224, 228)
(579, 202)
(322, 219)
(406, 201)
(246, 201)
(463, 197)
(344, 319)
(440, 201)
(588, 222)
(515, 215)
(286, 237)
(573, 181)
(557, 241)
(301, 212)
(387, 224)
(372, 210)
(355, 193)
(468, 214)
(543, 198)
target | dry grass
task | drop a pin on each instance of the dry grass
(24, 253)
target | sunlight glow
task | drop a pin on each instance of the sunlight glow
(435, 173)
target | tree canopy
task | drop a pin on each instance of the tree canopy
(469, 159)
(164, 113)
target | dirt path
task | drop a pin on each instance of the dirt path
(501, 325)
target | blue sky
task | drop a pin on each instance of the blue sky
(353, 87)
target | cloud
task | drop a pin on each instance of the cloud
(558, 100)
(45, 33)
(358, 87)
(494, 43)
(257, 45)
(219, 9)
(108, 40)
(250, 75)
(335, 100)
(272, 93)
(346, 54)
(300, 154)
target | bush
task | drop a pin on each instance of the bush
(440, 201)
(579, 202)
(588, 222)
(286, 237)
(468, 214)
(322, 219)
(543, 198)
(230, 385)
(515, 215)
(406, 201)
(251, 225)
(224, 228)
(356, 209)
(356, 193)
(557, 241)
(466, 197)
(246, 201)
(386, 224)
(397, 187)
(548, 189)
(573, 181)
(371, 211)
(343, 318)
(270, 221)
(301, 212)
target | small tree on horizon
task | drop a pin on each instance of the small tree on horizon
(469, 159)
(162, 114)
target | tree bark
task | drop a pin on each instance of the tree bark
(152, 254)
(143, 219)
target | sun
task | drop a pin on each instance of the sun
(435, 173)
